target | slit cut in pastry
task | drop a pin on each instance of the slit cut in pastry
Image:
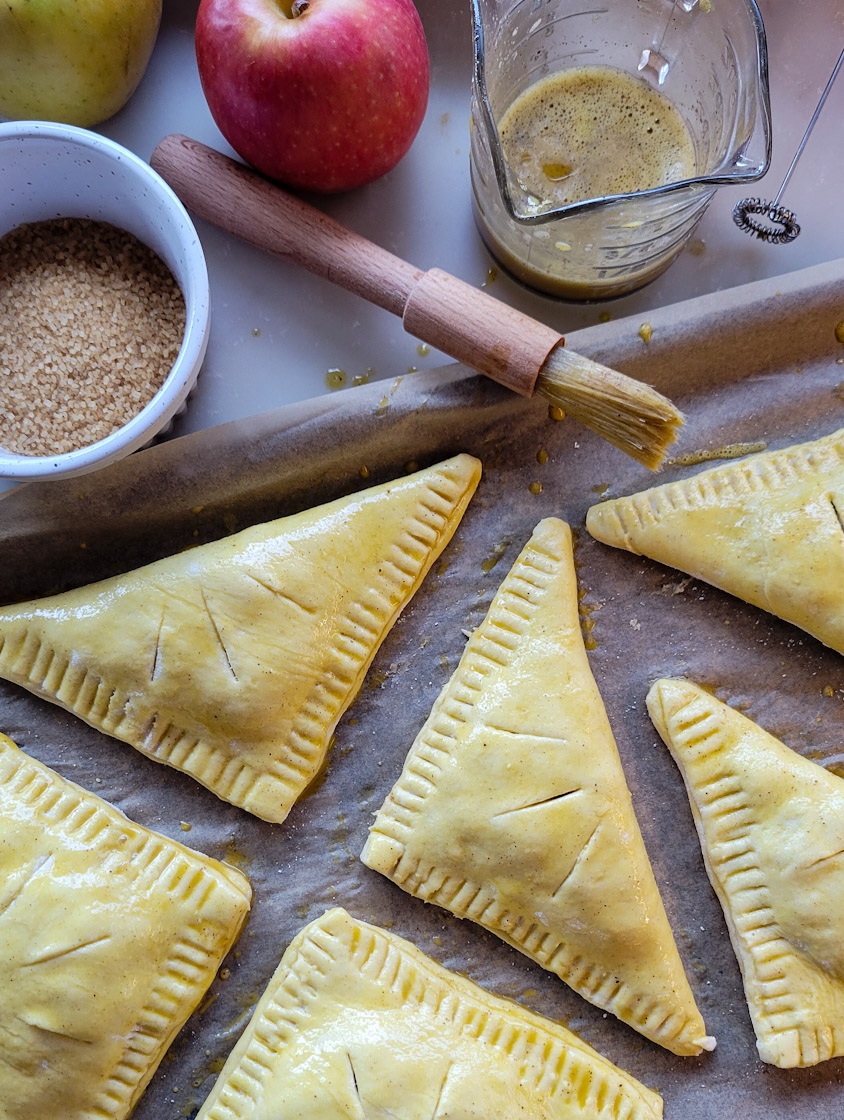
(512, 808)
(771, 826)
(109, 937)
(768, 529)
(356, 1022)
(234, 661)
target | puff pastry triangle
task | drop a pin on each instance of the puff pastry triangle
(771, 826)
(109, 937)
(512, 808)
(234, 661)
(359, 1023)
(768, 529)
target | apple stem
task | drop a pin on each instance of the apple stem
(298, 7)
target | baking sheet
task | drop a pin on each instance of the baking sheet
(755, 364)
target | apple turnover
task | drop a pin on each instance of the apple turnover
(234, 661)
(357, 1022)
(768, 529)
(512, 808)
(771, 826)
(109, 937)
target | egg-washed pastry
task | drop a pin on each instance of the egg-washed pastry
(357, 1022)
(771, 826)
(513, 810)
(234, 661)
(109, 937)
(768, 529)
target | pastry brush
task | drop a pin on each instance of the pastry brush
(460, 320)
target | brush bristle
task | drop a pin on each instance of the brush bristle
(634, 417)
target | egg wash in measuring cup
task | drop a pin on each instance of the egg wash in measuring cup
(593, 131)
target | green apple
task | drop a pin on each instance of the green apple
(73, 61)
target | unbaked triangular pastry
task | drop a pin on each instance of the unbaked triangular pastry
(771, 826)
(512, 808)
(768, 529)
(234, 661)
(109, 937)
(358, 1023)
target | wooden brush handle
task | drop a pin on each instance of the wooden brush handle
(456, 318)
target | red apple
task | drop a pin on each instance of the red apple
(323, 95)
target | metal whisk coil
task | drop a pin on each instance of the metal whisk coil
(781, 225)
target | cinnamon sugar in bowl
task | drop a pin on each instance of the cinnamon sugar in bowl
(104, 303)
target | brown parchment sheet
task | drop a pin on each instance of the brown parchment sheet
(759, 364)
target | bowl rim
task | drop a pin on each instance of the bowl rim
(173, 392)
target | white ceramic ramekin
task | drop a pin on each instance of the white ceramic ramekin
(52, 171)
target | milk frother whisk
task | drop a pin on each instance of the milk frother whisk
(783, 225)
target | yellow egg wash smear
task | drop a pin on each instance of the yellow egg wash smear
(593, 131)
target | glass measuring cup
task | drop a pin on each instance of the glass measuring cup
(706, 58)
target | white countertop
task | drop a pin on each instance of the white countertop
(277, 331)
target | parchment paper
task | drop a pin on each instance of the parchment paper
(760, 363)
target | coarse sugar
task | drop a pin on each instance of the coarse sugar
(91, 322)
